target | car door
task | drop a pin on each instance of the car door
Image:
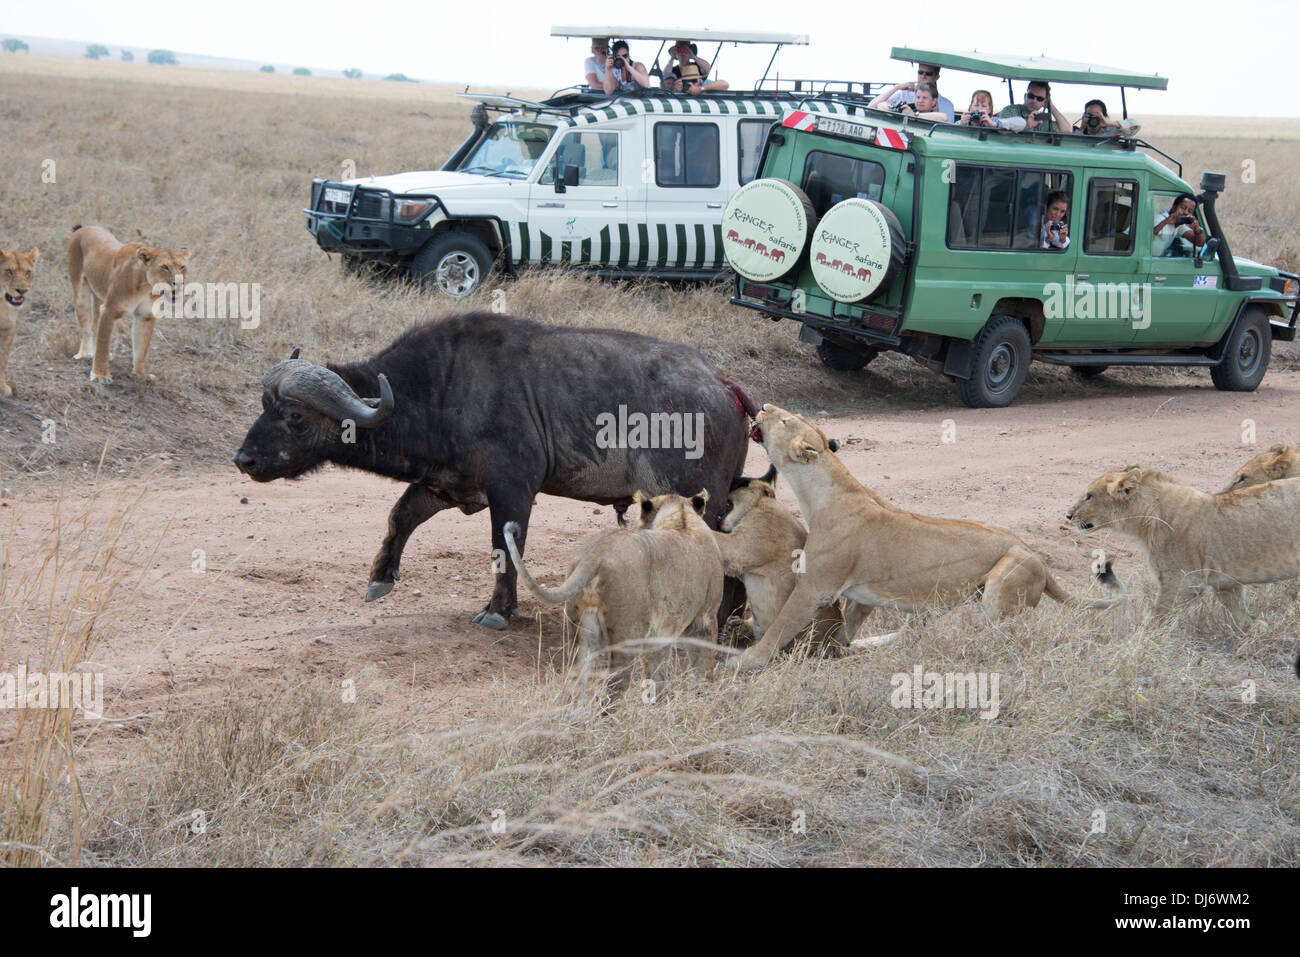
(1184, 296)
(689, 179)
(1103, 304)
(586, 222)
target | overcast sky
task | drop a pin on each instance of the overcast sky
(1221, 58)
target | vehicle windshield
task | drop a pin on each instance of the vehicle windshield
(509, 149)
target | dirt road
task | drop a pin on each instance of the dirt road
(282, 575)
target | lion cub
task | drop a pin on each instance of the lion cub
(16, 273)
(629, 585)
(1279, 462)
(121, 278)
(761, 542)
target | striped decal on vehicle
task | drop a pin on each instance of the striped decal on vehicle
(643, 251)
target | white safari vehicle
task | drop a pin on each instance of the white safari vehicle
(632, 184)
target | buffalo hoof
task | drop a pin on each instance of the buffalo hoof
(490, 619)
(377, 590)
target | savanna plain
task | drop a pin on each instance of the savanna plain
(257, 713)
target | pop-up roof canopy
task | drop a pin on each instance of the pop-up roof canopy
(679, 33)
(1012, 67)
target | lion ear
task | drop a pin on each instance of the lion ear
(1126, 482)
(182, 256)
(801, 450)
(699, 501)
(34, 253)
(1278, 449)
(833, 445)
(1276, 467)
(144, 255)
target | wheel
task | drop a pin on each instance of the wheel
(845, 358)
(1000, 357)
(1245, 359)
(455, 263)
(1089, 372)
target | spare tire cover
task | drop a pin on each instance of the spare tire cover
(765, 228)
(857, 250)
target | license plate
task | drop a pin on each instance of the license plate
(829, 124)
(338, 195)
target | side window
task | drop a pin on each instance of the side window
(1112, 208)
(595, 155)
(828, 179)
(992, 207)
(751, 135)
(687, 154)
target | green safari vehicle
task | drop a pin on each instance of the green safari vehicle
(877, 231)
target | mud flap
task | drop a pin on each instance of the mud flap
(809, 335)
(957, 362)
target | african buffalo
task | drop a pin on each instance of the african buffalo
(485, 411)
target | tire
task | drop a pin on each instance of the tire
(454, 263)
(1000, 357)
(1246, 355)
(845, 358)
(1088, 372)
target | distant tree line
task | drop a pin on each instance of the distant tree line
(162, 57)
(13, 45)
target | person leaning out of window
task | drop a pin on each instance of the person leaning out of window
(1177, 224)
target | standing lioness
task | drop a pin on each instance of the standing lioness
(1195, 540)
(122, 278)
(872, 553)
(17, 270)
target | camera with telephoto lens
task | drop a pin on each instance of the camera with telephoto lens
(1091, 120)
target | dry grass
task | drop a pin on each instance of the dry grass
(1098, 713)
(55, 617)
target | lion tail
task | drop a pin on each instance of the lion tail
(576, 582)
(1106, 577)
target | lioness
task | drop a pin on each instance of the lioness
(1279, 462)
(629, 585)
(17, 270)
(1196, 540)
(761, 543)
(122, 279)
(879, 555)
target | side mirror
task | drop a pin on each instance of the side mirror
(1210, 251)
(570, 177)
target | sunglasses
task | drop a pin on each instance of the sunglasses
(1035, 96)
(927, 72)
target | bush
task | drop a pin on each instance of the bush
(95, 50)
(266, 69)
(352, 73)
(301, 71)
(400, 78)
(162, 57)
(128, 56)
(13, 45)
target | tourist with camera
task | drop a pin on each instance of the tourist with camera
(905, 93)
(1096, 121)
(622, 73)
(924, 103)
(1054, 231)
(980, 112)
(594, 67)
(688, 73)
(1178, 224)
(1031, 116)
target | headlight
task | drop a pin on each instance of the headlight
(409, 210)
